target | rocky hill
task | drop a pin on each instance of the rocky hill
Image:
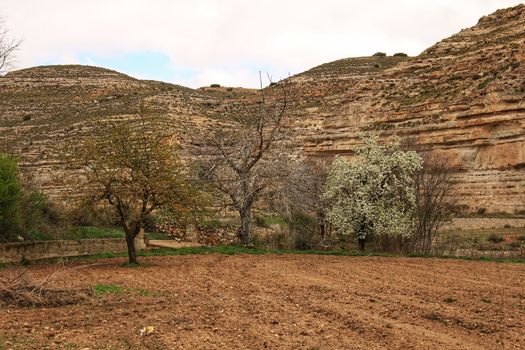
(463, 96)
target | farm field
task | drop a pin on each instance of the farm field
(217, 301)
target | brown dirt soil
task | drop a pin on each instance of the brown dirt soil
(282, 302)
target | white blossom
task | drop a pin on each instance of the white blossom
(373, 194)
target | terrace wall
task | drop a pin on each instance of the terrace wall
(35, 250)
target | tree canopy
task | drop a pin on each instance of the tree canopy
(135, 170)
(373, 195)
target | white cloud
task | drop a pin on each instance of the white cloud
(227, 41)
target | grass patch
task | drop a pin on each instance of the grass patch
(99, 289)
(268, 220)
(505, 238)
(90, 232)
(82, 232)
(232, 250)
(449, 300)
(40, 236)
(214, 224)
(157, 236)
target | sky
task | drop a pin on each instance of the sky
(201, 42)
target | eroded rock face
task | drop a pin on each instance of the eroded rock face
(464, 96)
(42, 107)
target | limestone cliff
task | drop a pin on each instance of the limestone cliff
(463, 96)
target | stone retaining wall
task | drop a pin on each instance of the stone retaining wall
(35, 250)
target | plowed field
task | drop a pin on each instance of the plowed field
(280, 302)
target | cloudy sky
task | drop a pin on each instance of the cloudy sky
(199, 42)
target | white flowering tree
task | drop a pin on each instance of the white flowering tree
(373, 195)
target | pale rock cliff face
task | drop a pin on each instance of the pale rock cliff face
(464, 96)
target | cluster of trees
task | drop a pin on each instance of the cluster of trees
(387, 192)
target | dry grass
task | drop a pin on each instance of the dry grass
(20, 289)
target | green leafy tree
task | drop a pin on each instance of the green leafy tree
(373, 195)
(133, 167)
(10, 192)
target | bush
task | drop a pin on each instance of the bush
(495, 238)
(482, 211)
(10, 192)
(24, 212)
(303, 229)
(88, 215)
(259, 221)
(274, 240)
(215, 85)
(298, 232)
(446, 242)
(379, 54)
(400, 54)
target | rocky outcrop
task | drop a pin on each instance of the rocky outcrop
(463, 96)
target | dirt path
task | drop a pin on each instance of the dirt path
(284, 302)
(172, 244)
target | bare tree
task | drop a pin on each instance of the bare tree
(247, 152)
(133, 168)
(8, 48)
(435, 199)
(302, 192)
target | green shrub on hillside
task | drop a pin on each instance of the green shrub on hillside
(495, 238)
(379, 54)
(10, 192)
(24, 212)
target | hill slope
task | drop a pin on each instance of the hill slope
(463, 96)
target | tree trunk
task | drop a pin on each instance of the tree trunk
(361, 243)
(243, 232)
(132, 251)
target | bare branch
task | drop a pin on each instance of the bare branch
(8, 48)
(246, 152)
